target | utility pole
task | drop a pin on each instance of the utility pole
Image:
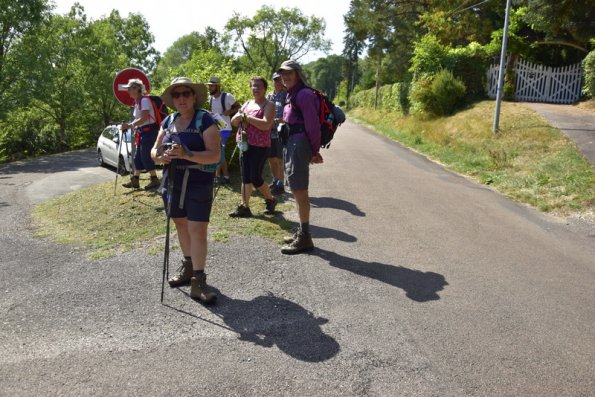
(501, 69)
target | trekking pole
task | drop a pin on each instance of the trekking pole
(170, 192)
(230, 160)
(121, 137)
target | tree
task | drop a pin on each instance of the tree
(182, 50)
(136, 40)
(17, 18)
(388, 27)
(271, 36)
(458, 23)
(325, 74)
(563, 22)
(51, 76)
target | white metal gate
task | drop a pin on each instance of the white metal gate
(538, 83)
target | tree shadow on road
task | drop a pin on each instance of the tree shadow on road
(270, 320)
(331, 202)
(418, 286)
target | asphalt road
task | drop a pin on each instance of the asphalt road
(423, 283)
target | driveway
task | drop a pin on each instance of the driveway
(578, 124)
(423, 283)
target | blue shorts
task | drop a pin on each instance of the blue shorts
(197, 205)
(142, 155)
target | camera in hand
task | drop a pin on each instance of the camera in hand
(165, 147)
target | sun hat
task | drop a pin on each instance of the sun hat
(136, 83)
(200, 91)
(290, 64)
(214, 80)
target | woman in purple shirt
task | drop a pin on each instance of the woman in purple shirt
(302, 148)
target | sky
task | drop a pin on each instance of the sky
(182, 17)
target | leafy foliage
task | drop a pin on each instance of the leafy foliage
(589, 70)
(437, 95)
(272, 36)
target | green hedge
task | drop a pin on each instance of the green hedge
(589, 74)
(392, 97)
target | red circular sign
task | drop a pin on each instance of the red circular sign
(122, 78)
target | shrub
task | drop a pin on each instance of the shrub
(589, 74)
(469, 64)
(437, 95)
(429, 56)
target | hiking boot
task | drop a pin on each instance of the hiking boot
(133, 183)
(270, 205)
(289, 239)
(302, 243)
(199, 290)
(241, 212)
(154, 184)
(182, 275)
(276, 190)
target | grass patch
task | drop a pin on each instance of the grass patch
(528, 161)
(108, 224)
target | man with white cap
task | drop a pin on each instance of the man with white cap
(301, 148)
(224, 104)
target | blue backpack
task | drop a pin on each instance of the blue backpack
(198, 125)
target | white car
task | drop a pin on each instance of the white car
(107, 149)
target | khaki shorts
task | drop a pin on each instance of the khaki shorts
(297, 155)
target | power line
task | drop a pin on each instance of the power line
(456, 11)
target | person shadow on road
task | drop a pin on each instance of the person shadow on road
(270, 320)
(418, 286)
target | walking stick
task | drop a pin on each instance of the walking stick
(121, 138)
(170, 192)
(229, 162)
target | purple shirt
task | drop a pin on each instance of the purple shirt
(308, 104)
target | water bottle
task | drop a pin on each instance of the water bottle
(243, 144)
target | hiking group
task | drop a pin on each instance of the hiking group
(287, 128)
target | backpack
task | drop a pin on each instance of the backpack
(198, 124)
(330, 116)
(159, 108)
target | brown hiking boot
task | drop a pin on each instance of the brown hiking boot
(133, 183)
(154, 184)
(301, 243)
(289, 239)
(183, 275)
(199, 290)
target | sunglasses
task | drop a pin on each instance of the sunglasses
(185, 94)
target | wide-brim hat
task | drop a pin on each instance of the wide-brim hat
(290, 64)
(200, 91)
